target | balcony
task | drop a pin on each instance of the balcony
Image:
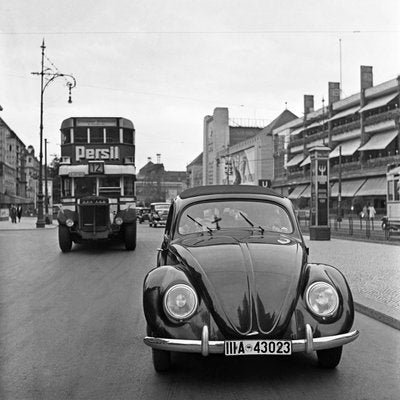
(382, 117)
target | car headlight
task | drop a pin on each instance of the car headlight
(180, 302)
(322, 299)
(69, 222)
(118, 221)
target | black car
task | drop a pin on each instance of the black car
(232, 278)
(142, 214)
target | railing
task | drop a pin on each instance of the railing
(352, 227)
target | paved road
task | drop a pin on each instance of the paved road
(72, 327)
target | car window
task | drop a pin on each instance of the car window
(234, 214)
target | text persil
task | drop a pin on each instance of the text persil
(111, 153)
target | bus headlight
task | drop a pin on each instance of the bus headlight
(322, 299)
(69, 222)
(118, 221)
(180, 302)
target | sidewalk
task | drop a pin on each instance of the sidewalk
(372, 271)
(26, 223)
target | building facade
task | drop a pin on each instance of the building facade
(237, 151)
(362, 132)
(14, 182)
(155, 184)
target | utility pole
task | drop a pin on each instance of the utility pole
(49, 75)
(46, 189)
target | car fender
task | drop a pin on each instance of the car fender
(156, 283)
(128, 216)
(63, 215)
(342, 320)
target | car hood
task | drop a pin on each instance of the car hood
(250, 285)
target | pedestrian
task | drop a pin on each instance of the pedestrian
(19, 213)
(371, 212)
(13, 214)
(364, 213)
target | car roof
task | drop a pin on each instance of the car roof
(227, 189)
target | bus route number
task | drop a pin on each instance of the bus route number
(96, 168)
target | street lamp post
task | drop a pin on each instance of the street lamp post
(46, 189)
(50, 76)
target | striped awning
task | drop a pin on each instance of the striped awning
(298, 190)
(373, 187)
(381, 101)
(306, 161)
(349, 188)
(345, 113)
(297, 159)
(379, 141)
(348, 148)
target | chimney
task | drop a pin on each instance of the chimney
(158, 158)
(333, 92)
(308, 103)
(366, 77)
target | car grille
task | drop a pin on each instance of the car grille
(93, 218)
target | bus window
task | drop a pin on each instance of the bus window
(390, 190)
(96, 135)
(66, 187)
(80, 135)
(128, 186)
(112, 135)
(128, 136)
(66, 136)
(85, 186)
(396, 189)
(109, 186)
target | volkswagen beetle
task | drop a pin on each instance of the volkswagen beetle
(232, 278)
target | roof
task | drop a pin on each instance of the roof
(227, 189)
(283, 118)
(197, 161)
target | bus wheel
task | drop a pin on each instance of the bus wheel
(64, 239)
(130, 236)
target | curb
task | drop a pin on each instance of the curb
(377, 315)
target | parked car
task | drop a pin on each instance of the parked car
(232, 278)
(158, 214)
(142, 214)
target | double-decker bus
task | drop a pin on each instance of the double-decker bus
(391, 222)
(97, 172)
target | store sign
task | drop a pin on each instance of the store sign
(85, 153)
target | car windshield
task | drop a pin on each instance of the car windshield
(228, 214)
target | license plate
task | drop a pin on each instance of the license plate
(258, 347)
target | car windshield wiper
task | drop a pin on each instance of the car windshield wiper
(199, 224)
(251, 223)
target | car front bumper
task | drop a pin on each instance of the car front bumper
(206, 346)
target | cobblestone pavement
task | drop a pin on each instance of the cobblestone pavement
(371, 269)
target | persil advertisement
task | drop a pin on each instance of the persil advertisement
(243, 167)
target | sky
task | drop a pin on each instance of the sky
(166, 64)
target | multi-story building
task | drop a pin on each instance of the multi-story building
(238, 151)
(194, 171)
(362, 132)
(155, 184)
(13, 177)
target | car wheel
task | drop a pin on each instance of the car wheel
(329, 358)
(161, 360)
(130, 236)
(64, 238)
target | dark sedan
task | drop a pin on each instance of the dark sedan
(233, 279)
